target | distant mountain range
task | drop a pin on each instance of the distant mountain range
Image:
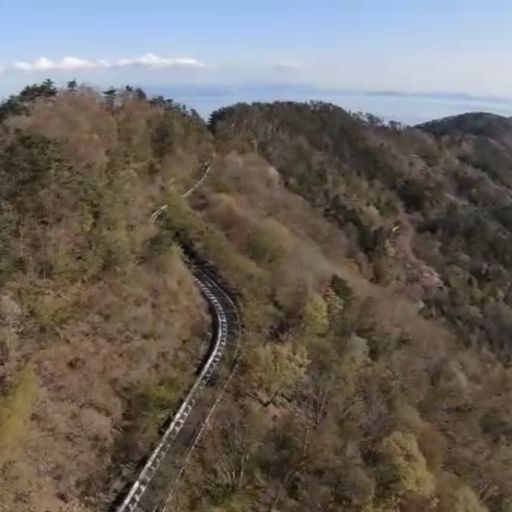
(441, 95)
(218, 90)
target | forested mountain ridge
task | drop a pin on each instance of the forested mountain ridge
(372, 267)
(478, 123)
(412, 204)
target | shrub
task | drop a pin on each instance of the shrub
(276, 369)
(404, 469)
(269, 243)
(15, 407)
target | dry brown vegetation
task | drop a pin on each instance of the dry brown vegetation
(99, 332)
(374, 373)
(396, 410)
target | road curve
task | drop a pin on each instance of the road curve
(149, 490)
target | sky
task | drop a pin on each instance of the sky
(227, 50)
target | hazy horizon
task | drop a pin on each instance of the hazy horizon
(406, 107)
(354, 45)
(377, 50)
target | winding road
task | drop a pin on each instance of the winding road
(150, 491)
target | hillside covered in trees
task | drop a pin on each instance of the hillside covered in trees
(372, 264)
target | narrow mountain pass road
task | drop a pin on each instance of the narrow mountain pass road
(165, 464)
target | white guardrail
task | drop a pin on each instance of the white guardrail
(167, 502)
(138, 488)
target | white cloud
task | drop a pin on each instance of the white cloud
(75, 63)
(64, 64)
(148, 60)
(151, 60)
